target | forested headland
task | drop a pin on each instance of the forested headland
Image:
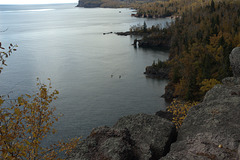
(201, 40)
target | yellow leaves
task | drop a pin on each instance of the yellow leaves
(56, 92)
(17, 111)
(27, 142)
(19, 100)
(236, 40)
(69, 146)
(43, 92)
(208, 84)
(26, 121)
(219, 54)
(215, 47)
(1, 101)
(5, 54)
(29, 131)
(28, 96)
(179, 110)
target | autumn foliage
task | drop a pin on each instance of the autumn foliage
(5, 54)
(26, 121)
(208, 84)
(179, 109)
(200, 40)
(200, 47)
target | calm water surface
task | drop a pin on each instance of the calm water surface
(67, 45)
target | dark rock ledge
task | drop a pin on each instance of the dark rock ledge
(155, 72)
(211, 130)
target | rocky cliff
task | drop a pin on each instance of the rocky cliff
(210, 131)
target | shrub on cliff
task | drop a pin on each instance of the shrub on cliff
(179, 109)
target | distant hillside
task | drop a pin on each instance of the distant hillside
(151, 8)
(104, 3)
(113, 3)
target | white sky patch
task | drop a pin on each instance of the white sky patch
(36, 1)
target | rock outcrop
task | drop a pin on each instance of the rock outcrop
(211, 129)
(155, 72)
(235, 61)
(169, 92)
(152, 135)
(105, 143)
(135, 137)
(165, 114)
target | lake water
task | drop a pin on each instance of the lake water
(67, 45)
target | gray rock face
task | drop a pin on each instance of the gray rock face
(238, 154)
(152, 135)
(211, 129)
(104, 143)
(136, 137)
(235, 61)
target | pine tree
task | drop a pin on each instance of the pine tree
(212, 7)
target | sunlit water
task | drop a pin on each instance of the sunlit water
(67, 45)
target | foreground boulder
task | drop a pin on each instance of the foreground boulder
(211, 129)
(105, 143)
(152, 135)
(135, 137)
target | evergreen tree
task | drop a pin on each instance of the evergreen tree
(212, 7)
(144, 26)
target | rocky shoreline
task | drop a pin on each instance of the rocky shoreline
(210, 131)
(155, 72)
(146, 42)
